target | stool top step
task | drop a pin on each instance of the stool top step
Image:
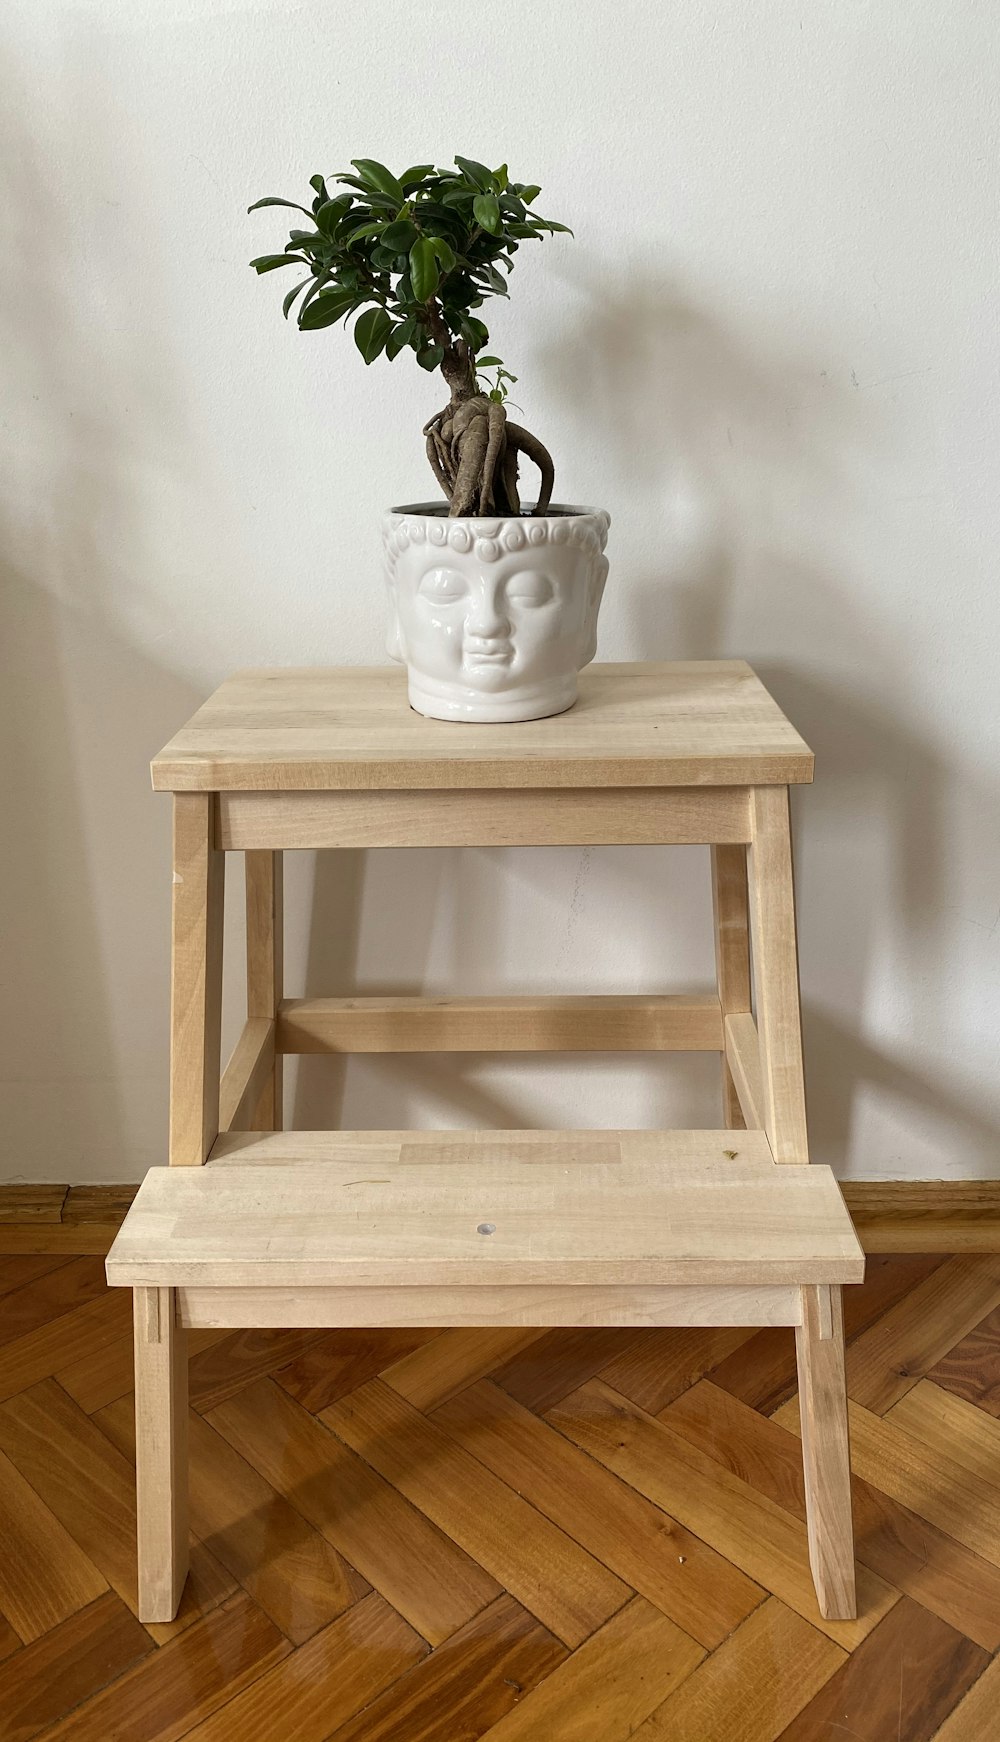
(692, 723)
(461, 1208)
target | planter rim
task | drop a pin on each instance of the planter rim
(555, 511)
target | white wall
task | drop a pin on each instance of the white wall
(772, 352)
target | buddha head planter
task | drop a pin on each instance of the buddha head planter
(494, 617)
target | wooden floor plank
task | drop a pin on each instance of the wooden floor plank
(972, 1368)
(105, 1374)
(904, 1550)
(928, 1479)
(560, 1360)
(90, 1488)
(913, 1335)
(479, 1675)
(218, 1372)
(44, 1576)
(291, 1572)
(69, 1665)
(750, 1530)
(762, 1372)
(419, 1570)
(68, 1338)
(606, 1689)
(429, 1375)
(753, 1686)
(947, 1424)
(339, 1361)
(544, 1569)
(195, 1674)
(47, 1296)
(901, 1683)
(650, 1551)
(15, 1272)
(326, 1682)
(662, 1363)
(975, 1719)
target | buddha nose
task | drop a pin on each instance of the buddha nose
(487, 621)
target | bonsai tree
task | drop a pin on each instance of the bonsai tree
(412, 256)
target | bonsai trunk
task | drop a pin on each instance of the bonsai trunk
(472, 444)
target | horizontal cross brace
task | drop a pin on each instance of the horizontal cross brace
(678, 1023)
(589, 817)
(245, 1308)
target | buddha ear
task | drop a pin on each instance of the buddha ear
(595, 593)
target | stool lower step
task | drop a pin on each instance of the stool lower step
(486, 1228)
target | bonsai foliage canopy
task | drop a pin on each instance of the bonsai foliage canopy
(412, 256)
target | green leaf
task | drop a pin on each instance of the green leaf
(486, 362)
(487, 212)
(400, 236)
(424, 273)
(478, 333)
(430, 357)
(326, 308)
(528, 194)
(329, 214)
(500, 177)
(400, 336)
(292, 294)
(318, 186)
(361, 232)
(272, 200)
(270, 262)
(550, 224)
(444, 252)
(377, 176)
(371, 330)
(415, 174)
(477, 173)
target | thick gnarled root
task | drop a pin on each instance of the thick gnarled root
(473, 450)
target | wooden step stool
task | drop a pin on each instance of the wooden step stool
(252, 1225)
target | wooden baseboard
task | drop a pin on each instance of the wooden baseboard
(890, 1216)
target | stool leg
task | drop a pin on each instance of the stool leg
(195, 980)
(819, 1346)
(264, 965)
(160, 1452)
(730, 904)
(776, 974)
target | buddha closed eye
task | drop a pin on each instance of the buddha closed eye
(443, 586)
(529, 588)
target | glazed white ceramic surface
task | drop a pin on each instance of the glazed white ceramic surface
(494, 617)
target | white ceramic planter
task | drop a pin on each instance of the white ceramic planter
(494, 617)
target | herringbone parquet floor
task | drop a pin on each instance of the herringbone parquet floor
(557, 1536)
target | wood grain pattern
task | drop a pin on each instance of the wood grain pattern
(323, 1684)
(707, 722)
(471, 1684)
(515, 1451)
(900, 1683)
(559, 1582)
(650, 1551)
(750, 1530)
(757, 1681)
(609, 1686)
(195, 1674)
(432, 1583)
(914, 1334)
(640, 1022)
(90, 1648)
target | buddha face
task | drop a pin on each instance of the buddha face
(491, 618)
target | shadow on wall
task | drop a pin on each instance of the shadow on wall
(729, 462)
(85, 878)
